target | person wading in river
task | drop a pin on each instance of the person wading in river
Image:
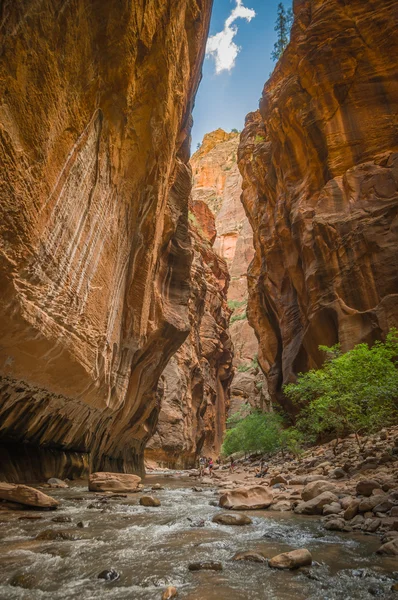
(211, 465)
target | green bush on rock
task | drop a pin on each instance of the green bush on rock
(355, 392)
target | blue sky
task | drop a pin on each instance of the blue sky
(224, 98)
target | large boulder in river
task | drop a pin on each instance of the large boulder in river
(113, 482)
(315, 506)
(149, 501)
(291, 560)
(231, 519)
(28, 496)
(315, 488)
(251, 498)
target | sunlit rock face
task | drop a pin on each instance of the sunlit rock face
(194, 389)
(218, 183)
(95, 253)
(320, 177)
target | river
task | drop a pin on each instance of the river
(152, 548)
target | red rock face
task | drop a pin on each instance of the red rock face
(194, 388)
(95, 253)
(320, 176)
(218, 183)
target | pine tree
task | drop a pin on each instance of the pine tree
(282, 27)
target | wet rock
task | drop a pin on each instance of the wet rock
(82, 524)
(331, 509)
(169, 592)
(315, 506)
(281, 506)
(109, 575)
(337, 525)
(113, 482)
(371, 525)
(394, 587)
(58, 483)
(315, 488)
(26, 581)
(389, 549)
(198, 523)
(291, 560)
(52, 535)
(366, 487)
(30, 518)
(149, 501)
(157, 486)
(62, 519)
(383, 507)
(231, 519)
(250, 555)
(368, 504)
(198, 489)
(28, 496)
(339, 473)
(351, 510)
(252, 498)
(205, 566)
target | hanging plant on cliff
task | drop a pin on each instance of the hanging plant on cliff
(355, 392)
(283, 25)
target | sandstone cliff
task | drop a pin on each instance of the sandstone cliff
(218, 183)
(194, 388)
(95, 254)
(320, 167)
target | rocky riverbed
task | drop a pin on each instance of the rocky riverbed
(140, 550)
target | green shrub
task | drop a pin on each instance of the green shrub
(259, 432)
(240, 317)
(234, 304)
(259, 139)
(243, 368)
(355, 392)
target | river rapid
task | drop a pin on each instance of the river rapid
(151, 548)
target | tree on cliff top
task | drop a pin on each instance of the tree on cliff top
(355, 392)
(282, 27)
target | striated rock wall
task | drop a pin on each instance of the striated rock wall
(194, 388)
(95, 105)
(218, 183)
(320, 186)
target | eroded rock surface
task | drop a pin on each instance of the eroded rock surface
(218, 184)
(320, 176)
(194, 388)
(95, 253)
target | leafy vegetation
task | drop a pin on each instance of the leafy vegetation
(258, 432)
(247, 366)
(240, 317)
(259, 139)
(234, 304)
(355, 392)
(283, 25)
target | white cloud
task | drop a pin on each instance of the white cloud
(221, 45)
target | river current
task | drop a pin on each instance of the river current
(151, 548)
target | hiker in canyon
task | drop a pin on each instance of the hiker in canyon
(159, 308)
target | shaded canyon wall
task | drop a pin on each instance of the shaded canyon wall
(95, 254)
(319, 162)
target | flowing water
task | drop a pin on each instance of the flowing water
(152, 548)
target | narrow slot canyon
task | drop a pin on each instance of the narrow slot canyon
(198, 323)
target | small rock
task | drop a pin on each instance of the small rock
(109, 575)
(389, 549)
(199, 489)
(149, 501)
(331, 509)
(26, 581)
(394, 587)
(157, 486)
(50, 535)
(62, 519)
(82, 524)
(251, 556)
(231, 519)
(315, 506)
(366, 487)
(291, 560)
(278, 479)
(315, 488)
(205, 566)
(337, 525)
(54, 482)
(169, 592)
(339, 473)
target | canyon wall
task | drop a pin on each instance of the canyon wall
(194, 388)
(95, 254)
(320, 187)
(218, 183)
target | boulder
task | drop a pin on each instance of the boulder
(251, 498)
(331, 509)
(109, 575)
(57, 483)
(205, 566)
(365, 487)
(337, 525)
(389, 549)
(231, 519)
(278, 479)
(281, 506)
(351, 510)
(370, 503)
(113, 482)
(315, 488)
(149, 501)
(169, 592)
(57, 535)
(315, 506)
(250, 555)
(291, 560)
(28, 496)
